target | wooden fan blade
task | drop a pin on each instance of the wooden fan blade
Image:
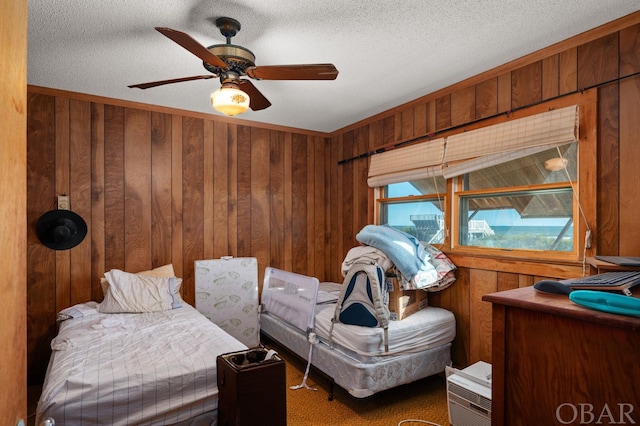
(257, 101)
(294, 72)
(175, 80)
(186, 41)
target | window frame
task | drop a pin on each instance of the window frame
(442, 198)
(584, 199)
(456, 246)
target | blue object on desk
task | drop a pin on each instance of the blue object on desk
(607, 302)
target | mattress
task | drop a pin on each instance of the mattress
(123, 369)
(361, 376)
(422, 330)
(355, 359)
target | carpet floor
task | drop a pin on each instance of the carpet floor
(423, 400)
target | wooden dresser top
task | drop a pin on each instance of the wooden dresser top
(529, 298)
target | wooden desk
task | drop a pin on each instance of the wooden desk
(549, 355)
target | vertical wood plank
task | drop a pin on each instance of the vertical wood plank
(208, 187)
(340, 193)
(319, 210)
(276, 200)
(13, 211)
(310, 194)
(299, 203)
(63, 258)
(526, 280)
(608, 195)
(80, 196)
(397, 127)
(287, 182)
(431, 117)
(346, 196)
(360, 189)
(629, 171)
(161, 211)
(526, 85)
(420, 120)
(243, 187)
(460, 305)
(550, 77)
(463, 106)
(504, 92)
(220, 191)
(329, 196)
(598, 61)
(192, 201)
(568, 71)
(177, 244)
(233, 165)
(260, 214)
(137, 189)
(114, 187)
(334, 223)
(97, 236)
(407, 123)
(507, 281)
(388, 131)
(486, 98)
(481, 282)
(630, 50)
(443, 112)
(41, 187)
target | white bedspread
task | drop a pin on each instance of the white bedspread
(146, 369)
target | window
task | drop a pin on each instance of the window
(415, 207)
(520, 205)
(508, 187)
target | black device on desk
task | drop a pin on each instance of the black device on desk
(610, 281)
(621, 260)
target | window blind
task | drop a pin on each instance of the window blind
(476, 149)
(491, 145)
(408, 163)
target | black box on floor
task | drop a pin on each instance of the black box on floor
(251, 388)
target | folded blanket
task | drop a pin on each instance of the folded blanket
(405, 251)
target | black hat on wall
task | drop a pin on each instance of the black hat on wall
(61, 229)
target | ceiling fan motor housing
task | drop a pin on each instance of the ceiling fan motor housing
(237, 57)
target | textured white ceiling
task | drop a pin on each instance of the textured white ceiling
(388, 52)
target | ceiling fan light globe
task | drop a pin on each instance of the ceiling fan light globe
(230, 101)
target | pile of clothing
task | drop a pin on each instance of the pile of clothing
(416, 265)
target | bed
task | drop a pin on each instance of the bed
(297, 313)
(147, 368)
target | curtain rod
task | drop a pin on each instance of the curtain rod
(430, 136)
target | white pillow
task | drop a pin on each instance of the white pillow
(133, 293)
(160, 271)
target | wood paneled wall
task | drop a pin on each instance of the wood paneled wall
(158, 186)
(606, 59)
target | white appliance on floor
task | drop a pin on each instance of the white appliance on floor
(469, 395)
(227, 294)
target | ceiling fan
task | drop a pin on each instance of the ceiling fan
(230, 63)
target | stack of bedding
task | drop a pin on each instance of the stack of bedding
(417, 265)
